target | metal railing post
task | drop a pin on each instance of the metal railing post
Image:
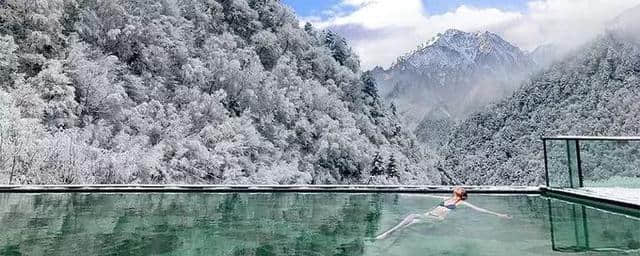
(568, 150)
(546, 165)
(579, 164)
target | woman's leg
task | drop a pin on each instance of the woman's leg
(411, 219)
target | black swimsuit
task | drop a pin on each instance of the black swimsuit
(450, 206)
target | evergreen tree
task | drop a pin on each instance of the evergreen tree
(394, 109)
(392, 168)
(56, 90)
(8, 60)
(370, 87)
(377, 165)
(308, 28)
(338, 47)
(371, 95)
(341, 51)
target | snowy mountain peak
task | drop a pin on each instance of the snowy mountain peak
(456, 39)
(455, 49)
(456, 69)
(452, 32)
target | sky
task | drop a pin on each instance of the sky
(382, 30)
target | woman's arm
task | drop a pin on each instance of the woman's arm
(487, 211)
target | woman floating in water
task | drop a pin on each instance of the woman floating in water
(440, 212)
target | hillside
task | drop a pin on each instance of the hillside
(221, 91)
(457, 72)
(546, 54)
(594, 91)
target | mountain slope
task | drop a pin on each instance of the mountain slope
(627, 24)
(593, 92)
(221, 91)
(545, 55)
(457, 71)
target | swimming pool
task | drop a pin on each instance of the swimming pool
(302, 224)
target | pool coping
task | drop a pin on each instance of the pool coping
(573, 195)
(411, 189)
(587, 197)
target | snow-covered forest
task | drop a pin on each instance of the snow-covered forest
(591, 90)
(595, 91)
(189, 91)
(239, 92)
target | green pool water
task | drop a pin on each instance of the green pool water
(303, 224)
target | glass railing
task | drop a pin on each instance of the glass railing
(576, 162)
(578, 228)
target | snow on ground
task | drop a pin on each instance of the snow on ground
(631, 195)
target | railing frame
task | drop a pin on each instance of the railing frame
(576, 140)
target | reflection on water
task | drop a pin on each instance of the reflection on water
(577, 228)
(188, 224)
(297, 224)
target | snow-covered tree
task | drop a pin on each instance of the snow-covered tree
(592, 92)
(8, 60)
(392, 168)
(55, 89)
(218, 91)
(377, 167)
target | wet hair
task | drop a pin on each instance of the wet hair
(461, 192)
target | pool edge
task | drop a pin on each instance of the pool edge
(598, 201)
(593, 200)
(263, 189)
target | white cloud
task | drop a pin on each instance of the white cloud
(382, 30)
(563, 22)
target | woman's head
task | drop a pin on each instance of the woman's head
(460, 193)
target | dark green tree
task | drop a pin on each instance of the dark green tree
(369, 85)
(377, 165)
(392, 168)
